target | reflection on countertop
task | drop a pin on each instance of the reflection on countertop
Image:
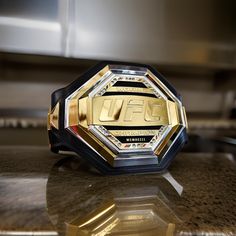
(43, 195)
(81, 202)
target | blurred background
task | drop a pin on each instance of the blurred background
(44, 45)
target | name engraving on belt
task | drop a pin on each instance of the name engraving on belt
(134, 132)
(135, 139)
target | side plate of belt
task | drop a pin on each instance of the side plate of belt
(120, 117)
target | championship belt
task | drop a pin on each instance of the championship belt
(120, 117)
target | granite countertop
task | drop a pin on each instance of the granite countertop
(42, 193)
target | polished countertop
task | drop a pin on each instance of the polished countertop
(42, 193)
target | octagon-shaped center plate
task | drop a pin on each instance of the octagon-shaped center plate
(126, 115)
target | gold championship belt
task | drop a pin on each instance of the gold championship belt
(121, 117)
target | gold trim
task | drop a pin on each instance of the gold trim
(48, 120)
(73, 112)
(174, 122)
(81, 109)
(88, 86)
(162, 145)
(173, 113)
(53, 117)
(101, 148)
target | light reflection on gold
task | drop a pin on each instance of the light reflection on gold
(99, 214)
(147, 215)
(53, 117)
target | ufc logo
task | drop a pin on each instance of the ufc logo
(129, 110)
